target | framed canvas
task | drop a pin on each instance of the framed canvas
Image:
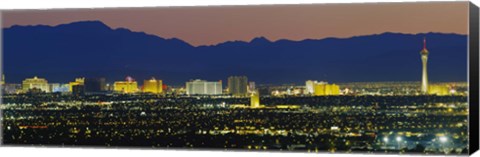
(384, 78)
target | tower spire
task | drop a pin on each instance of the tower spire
(424, 43)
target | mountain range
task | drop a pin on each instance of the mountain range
(93, 49)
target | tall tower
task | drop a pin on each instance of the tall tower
(424, 55)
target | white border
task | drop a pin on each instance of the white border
(49, 4)
(74, 152)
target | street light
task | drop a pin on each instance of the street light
(399, 139)
(443, 143)
(385, 139)
(443, 139)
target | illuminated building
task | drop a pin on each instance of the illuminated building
(12, 88)
(319, 89)
(237, 85)
(332, 89)
(424, 54)
(322, 88)
(153, 86)
(35, 83)
(127, 86)
(51, 86)
(175, 90)
(255, 99)
(439, 90)
(78, 81)
(57, 87)
(108, 87)
(202, 87)
(94, 85)
(309, 84)
(251, 87)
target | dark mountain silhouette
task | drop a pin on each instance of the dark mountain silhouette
(92, 49)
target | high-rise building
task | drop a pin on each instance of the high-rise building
(255, 99)
(309, 85)
(103, 84)
(153, 86)
(35, 83)
(319, 89)
(424, 56)
(237, 85)
(94, 85)
(78, 81)
(322, 89)
(108, 87)
(202, 87)
(127, 86)
(251, 87)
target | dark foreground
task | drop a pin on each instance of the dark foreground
(394, 124)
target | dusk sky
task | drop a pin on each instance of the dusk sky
(212, 25)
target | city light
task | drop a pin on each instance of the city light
(398, 139)
(385, 139)
(443, 139)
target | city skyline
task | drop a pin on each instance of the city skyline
(222, 80)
